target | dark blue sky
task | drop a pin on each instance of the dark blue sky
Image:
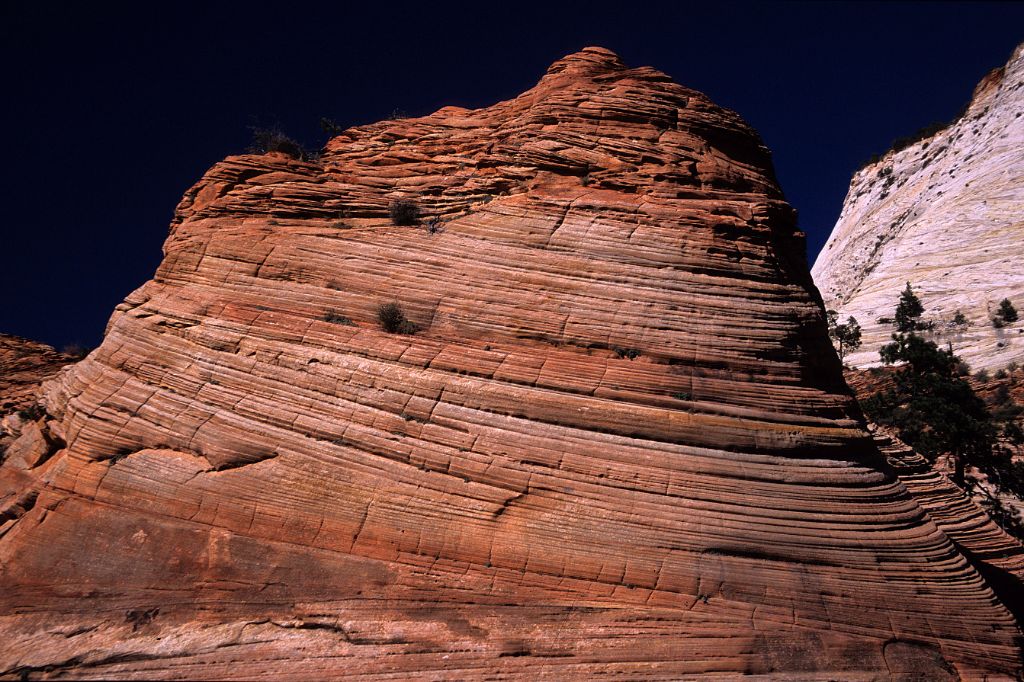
(111, 113)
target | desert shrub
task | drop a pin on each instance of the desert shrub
(981, 375)
(870, 161)
(337, 318)
(1007, 410)
(959, 319)
(76, 350)
(1013, 433)
(32, 412)
(628, 353)
(403, 212)
(330, 126)
(393, 320)
(1001, 374)
(266, 140)
(1006, 313)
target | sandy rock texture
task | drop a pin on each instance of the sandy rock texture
(998, 556)
(947, 215)
(618, 443)
(24, 364)
(25, 442)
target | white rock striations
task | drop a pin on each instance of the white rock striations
(947, 215)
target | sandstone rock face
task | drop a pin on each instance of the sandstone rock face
(24, 365)
(998, 556)
(24, 439)
(617, 444)
(947, 215)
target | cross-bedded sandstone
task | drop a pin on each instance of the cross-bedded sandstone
(617, 444)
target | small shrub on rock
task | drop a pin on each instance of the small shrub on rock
(32, 412)
(337, 318)
(1005, 314)
(266, 140)
(403, 212)
(393, 320)
(76, 350)
(331, 127)
(1013, 433)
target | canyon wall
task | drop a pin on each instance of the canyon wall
(947, 215)
(618, 442)
(23, 365)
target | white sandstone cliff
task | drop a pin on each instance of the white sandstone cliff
(947, 215)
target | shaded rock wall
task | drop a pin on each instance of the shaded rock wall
(618, 443)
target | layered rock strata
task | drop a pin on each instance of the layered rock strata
(24, 364)
(997, 555)
(617, 443)
(947, 215)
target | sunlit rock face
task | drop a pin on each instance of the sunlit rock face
(947, 215)
(618, 442)
(23, 364)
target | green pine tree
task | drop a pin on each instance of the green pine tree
(908, 311)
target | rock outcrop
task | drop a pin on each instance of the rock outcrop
(24, 364)
(998, 556)
(947, 215)
(617, 443)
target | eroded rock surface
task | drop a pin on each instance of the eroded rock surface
(618, 443)
(24, 364)
(25, 440)
(947, 215)
(998, 556)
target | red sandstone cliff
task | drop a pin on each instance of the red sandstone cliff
(250, 478)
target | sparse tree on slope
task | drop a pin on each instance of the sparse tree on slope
(1006, 313)
(908, 311)
(934, 411)
(846, 336)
